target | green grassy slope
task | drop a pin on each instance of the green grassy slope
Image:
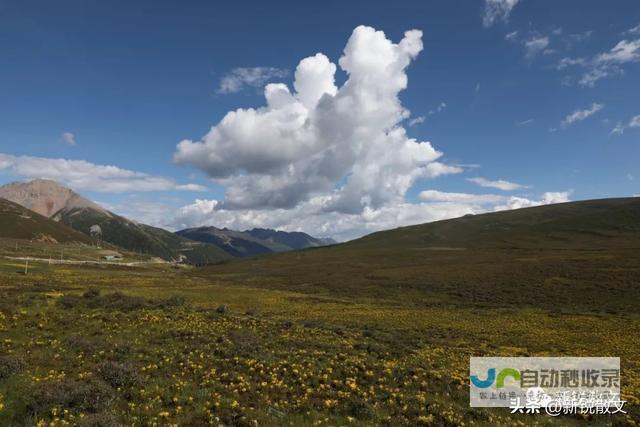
(585, 224)
(142, 238)
(559, 256)
(17, 222)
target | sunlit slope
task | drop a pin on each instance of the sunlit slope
(17, 222)
(588, 224)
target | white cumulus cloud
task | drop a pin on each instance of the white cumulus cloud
(345, 143)
(327, 159)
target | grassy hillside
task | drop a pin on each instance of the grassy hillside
(142, 238)
(591, 224)
(564, 256)
(17, 222)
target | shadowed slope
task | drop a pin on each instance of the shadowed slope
(17, 222)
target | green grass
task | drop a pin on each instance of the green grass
(375, 332)
(298, 358)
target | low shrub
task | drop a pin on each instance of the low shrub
(91, 396)
(119, 374)
(11, 365)
(118, 301)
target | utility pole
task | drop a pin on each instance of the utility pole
(26, 267)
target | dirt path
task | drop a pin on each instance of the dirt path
(81, 262)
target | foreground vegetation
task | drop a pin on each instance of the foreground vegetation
(374, 332)
(156, 345)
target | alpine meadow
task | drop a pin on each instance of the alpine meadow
(420, 213)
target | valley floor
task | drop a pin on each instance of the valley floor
(107, 345)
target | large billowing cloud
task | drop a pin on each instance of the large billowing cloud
(317, 139)
(326, 159)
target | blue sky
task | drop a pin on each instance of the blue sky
(535, 93)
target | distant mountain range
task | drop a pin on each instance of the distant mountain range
(253, 242)
(202, 245)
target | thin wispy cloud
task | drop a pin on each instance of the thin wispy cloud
(440, 196)
(534, 43)
(499, 184)
(255, 77)
(497, 11)
(604, 64)
(569, 62)
(579, 37)
(438, 109)
(534, 46)
(417, 120)
(580, 115)
(87, 176)
(634, 122)
(618, 129)
(512, 36)
(635, 31)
